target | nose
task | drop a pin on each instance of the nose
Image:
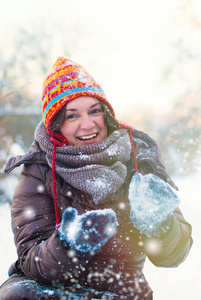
(86, 123)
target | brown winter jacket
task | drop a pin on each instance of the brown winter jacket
(42, 255)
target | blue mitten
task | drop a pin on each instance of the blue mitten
(87, 233)
(152, 202)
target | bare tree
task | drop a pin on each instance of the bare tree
(32, 52)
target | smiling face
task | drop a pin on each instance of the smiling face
(84, 122)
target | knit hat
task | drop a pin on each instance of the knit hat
(66, 81)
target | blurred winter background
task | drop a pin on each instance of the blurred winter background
(147, 57)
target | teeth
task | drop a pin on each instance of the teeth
(88, 137)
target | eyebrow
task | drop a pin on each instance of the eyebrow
(74, 109)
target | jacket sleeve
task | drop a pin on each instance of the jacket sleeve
(171, 249)
(42, 255)
(149, 158)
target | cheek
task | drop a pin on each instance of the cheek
(104, 128)
(67, 130)
(102, 123)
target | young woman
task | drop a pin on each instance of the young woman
(81, 213)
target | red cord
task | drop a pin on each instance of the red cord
(129, 127)
(57, 140)
(57, 221)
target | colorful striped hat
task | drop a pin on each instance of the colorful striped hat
(64, 82)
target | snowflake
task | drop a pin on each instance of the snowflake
(36, 258)
(69, 193)
(122, 205)
(29, 212)
(40, 188)
(140, 244)
(153, 246)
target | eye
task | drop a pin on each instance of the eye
(96, 111)
(70, 117)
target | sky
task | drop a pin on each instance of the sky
(125, 45)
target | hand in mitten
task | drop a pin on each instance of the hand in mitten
(152, 202)
(87, 233)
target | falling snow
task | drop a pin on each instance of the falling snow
(178, 278)
(29, 212)
(40, 188)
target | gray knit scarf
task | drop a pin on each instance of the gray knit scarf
(98, 169)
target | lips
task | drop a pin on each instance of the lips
(87, 137)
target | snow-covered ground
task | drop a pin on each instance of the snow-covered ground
(182, 283)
